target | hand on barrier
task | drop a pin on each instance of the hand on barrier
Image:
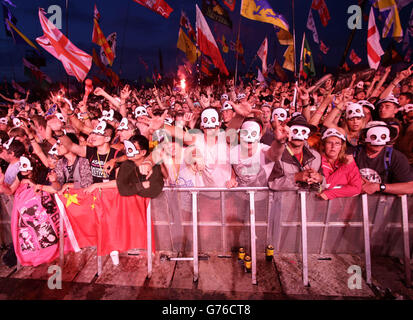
(109, 165)
(369, 187)
(232, 183)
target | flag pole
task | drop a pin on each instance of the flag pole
(349, 41)
(295, 60)
(236, 50)
(67, 36)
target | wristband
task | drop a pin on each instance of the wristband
(61, 135)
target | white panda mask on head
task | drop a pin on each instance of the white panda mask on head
(130, 149)
(25, 164)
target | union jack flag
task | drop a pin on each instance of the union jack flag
(76, 62)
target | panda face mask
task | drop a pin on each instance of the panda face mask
(250, 132)
(25, 165)
(130, 149)
(378, 136)
(299, 133)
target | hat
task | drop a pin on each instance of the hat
(374, 124)
(390, 98)
(408, 108)
(226, 106)
(129, 181)
(299, 120)
(365, 103)
(332, 132)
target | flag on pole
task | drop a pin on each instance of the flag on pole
(7, 15)
(106, 70)
(36, 72)
(311, 26)
(185, 23)
(75, 61)
(388, 10)
(324, 49)
(260, 77)
(262, 54)
(289, 61)
(158, 6)
(262, 11)
(99, 38)
(206, 42)
(112, 44)
(374, 50)
(322, 9)
(224, 44)
(12, 26)
(354, 57)
(230, 4)
(285, 38)
(214, 11)
(185, 44)
(307, 68)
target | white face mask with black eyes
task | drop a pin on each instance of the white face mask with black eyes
(299, 132)
(250, 131)
(378, 136)
(100, 128)
(130, 149)
(25, 165)
(209, 119)
(354, 110)
(280, 113)
(123, 124)
(140, 111)
(53, 150)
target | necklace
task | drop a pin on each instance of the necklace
(101, 168)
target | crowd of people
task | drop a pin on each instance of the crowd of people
(284, 136)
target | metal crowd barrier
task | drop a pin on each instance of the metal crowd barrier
(379, 217)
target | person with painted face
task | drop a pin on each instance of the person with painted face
(382, 168)
(300, 165)
(342, 175)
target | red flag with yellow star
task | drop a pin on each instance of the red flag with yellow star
(107, 220)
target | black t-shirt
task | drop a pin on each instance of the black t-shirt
(373, 169)
(98, 161)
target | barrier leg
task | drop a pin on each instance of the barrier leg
(149, 239)
(406, 245)
(366, 227)
(224, 230)
(253, 237)
(195, 233)
(61, 242)
(304, 236)
(99, 265)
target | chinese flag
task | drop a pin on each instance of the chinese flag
(107, 220)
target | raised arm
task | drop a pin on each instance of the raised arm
(399, 78)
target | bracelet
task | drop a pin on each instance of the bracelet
(70, 114)
(58, 136)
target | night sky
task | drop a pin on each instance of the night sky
(142, 33)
